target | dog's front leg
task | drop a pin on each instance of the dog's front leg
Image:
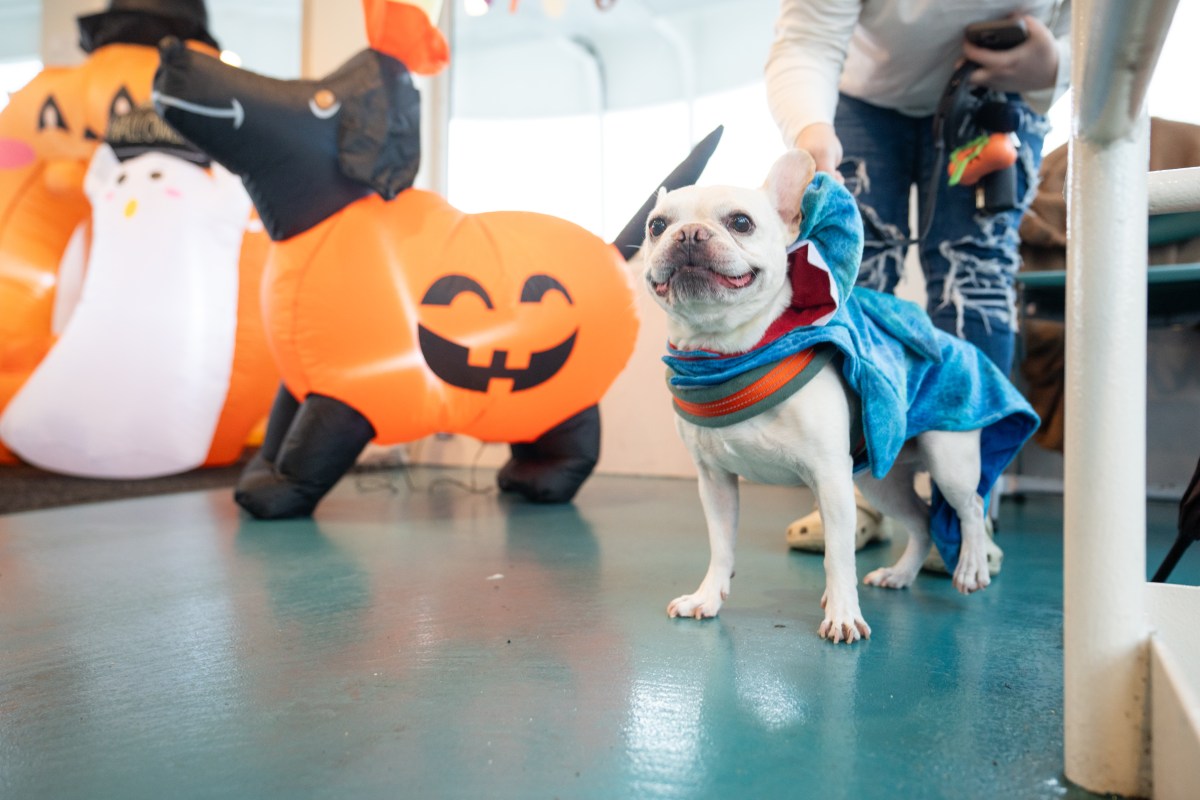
(719, 498)
(843, 618)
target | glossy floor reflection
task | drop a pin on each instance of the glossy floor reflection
(421, 640)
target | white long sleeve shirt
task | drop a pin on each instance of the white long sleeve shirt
(897, 54)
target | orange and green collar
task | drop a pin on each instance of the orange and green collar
(750, 393)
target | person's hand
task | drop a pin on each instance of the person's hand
(824, 146)
(1029, 66)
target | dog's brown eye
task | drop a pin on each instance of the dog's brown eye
(657, 226)
(741, 223)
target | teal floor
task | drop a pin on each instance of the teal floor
(420, 640)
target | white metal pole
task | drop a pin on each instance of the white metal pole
(1104, 486)
(434, 174)
(1174, 190)
(1106, 746)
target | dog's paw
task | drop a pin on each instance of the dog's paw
(843, 622)
(971, 574)
(890, 578)
(705, 603)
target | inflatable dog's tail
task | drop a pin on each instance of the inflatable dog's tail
(629, 240)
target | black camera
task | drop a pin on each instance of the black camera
(968, 114)
(999, 34)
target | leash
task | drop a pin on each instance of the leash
(954, 122)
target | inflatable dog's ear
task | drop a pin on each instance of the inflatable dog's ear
(379, 130)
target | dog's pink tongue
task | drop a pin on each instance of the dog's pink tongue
(737, 282)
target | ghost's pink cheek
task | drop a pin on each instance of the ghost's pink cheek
(173, 192)
(109, 196)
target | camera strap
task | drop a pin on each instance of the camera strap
(953, 123)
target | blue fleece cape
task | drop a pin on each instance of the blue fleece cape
(910, 377)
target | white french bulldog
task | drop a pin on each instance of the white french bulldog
(716, 261)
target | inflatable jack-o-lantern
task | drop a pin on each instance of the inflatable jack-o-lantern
(497, 325)
(391, 314)
(48, 133)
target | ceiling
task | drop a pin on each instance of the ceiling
(527, 63)
(638, 52)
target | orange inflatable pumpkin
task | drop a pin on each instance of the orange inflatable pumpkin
(391, 314)
(48, 133)
(41, 204)
(497, 325)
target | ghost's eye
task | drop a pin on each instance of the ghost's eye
(121, 178)
(740, 223)
(657, 226)
(156, 175)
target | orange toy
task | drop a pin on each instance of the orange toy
(391, 314)
(979, 157)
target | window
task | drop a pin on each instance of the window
(582, 115)
(15, 74)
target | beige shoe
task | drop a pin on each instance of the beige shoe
(808, 532)
(995, 556)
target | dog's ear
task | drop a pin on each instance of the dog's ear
(790, 175)
(379, 132)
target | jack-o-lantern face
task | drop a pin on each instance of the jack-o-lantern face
(425, 319)
(451, 361)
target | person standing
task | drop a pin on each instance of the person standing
(856, 83)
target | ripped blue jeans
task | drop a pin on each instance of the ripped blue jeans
(969, 257)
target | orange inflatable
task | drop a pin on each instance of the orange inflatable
(253, 376)
(498, 325)
(42, 161)
(391, 314)
(48, 133)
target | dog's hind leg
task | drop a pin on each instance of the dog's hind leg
(954, 465)
(895, 498)
(719, 497)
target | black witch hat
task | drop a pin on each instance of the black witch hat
(145, 22)
(144, 131)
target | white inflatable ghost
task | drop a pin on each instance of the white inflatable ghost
(135, 385)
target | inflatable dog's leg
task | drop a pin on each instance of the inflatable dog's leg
(551, 468)
(283, 410)
(321, 442)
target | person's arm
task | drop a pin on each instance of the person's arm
(803, 70)
(1040, 67)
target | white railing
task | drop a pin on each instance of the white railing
(1116, 739)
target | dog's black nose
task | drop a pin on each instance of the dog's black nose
(693, 232)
